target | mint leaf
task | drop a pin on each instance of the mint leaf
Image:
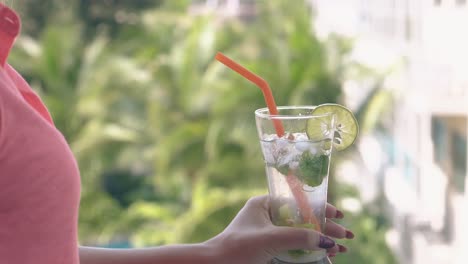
(284, 169)
(312, 169)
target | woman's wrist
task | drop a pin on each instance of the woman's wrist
(213, 251)
(207, 252)
(176, 254)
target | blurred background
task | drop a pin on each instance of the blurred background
(165, 136)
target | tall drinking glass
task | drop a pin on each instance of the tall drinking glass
(297, 165)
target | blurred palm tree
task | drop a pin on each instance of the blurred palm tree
(203, 112)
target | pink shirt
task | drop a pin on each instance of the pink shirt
(39, 177)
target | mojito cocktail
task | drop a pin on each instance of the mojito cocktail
(297, 166)
(297, 143)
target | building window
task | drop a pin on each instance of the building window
(459, 161)
(449, 136)
(439, 136)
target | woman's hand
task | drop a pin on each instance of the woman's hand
(251, 238)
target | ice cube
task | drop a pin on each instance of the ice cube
(269, 137)
(302, 146)
(268, 152)
(282, 144)
(301, 137)
(293, 165)
(313, 150)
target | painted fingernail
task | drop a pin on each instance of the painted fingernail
(339, 214)
(331, 255)
(326, 242)
(342, 248)
(349, 234)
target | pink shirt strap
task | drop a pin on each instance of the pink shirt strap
(9, 28)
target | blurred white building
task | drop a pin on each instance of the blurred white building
(425, 177)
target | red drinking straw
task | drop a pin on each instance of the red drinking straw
(261, 83)
(294, 183)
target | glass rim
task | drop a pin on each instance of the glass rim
(264, 112)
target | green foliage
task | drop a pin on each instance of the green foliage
(369, 226)
(369, 245)
(164, 135)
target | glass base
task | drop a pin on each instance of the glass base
(322, 261)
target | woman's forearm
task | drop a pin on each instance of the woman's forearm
(176, 254)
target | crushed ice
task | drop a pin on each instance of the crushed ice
(286, 150)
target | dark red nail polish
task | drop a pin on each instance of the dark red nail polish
(331, 255)
(342, 248)
(349, 234)
(339, 214)
(326, 242)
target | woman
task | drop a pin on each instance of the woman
(40, 192)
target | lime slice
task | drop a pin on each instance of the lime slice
(346, 125)
(319, 128)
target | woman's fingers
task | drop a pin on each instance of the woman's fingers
(338, 231)
(286, 238)
(332, 212)
(332, 228)
(283, 238)
(338, 249)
